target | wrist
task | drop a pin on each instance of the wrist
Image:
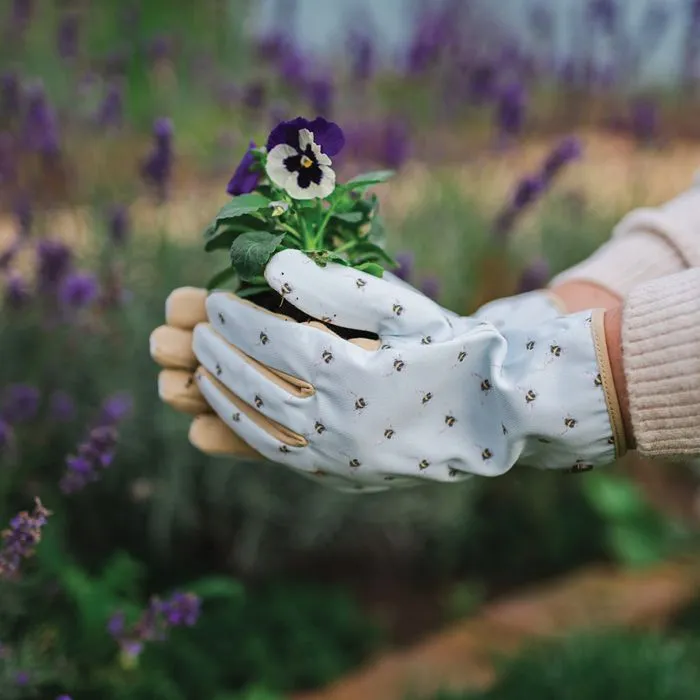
(612, 324)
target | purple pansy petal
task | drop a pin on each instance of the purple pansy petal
(328, 135)
(244, 180)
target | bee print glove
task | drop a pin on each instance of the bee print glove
(521, 310)
(437, 397)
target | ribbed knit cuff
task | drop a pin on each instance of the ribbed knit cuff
(661, 358)
(626, 261)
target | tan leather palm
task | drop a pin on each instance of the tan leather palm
(171, 348)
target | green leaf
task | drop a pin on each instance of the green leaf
(251, 291)
(221, 277)
(366, 248)
(377, 231)
(351, 217)
(635, 548)
(615, 498)
(372, 269)
(251, 252)
(238, 206)
(369, 179)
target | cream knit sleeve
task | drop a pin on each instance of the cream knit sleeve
(647, 243)
(661, 359)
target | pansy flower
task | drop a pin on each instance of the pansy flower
(298, 157)
(245, 179)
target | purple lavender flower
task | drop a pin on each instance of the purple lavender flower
(62, 406)
(395, 143)
(115, 409)
(510, 112)
(20, 403)
(159, 48)
(24, 214)
(17, 292)
(430, 286)
(244, 180)
(64, 697)
(566, 151)
(528, 190)
(40, 127)
(68, 36)
(10, 95)
(254, 95)
(482, 82)
(159, 617)
(361, 50)
(406, 261)
(535, 276)
(157, 167)
(118, 225)
(110, 113)
(21, 14)
(604, 13)
(645, 120)
(54, 262)
(321, 94)
(293, 67)
(78, 290)
(22, 678)
(6, 434)
(8, 255)
(20, 539)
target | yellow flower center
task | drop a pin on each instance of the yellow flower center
(306, 162)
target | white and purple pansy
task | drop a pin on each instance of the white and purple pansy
(298, 157)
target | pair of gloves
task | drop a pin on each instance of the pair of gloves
(437, 397)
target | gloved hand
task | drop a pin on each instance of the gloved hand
(441, 397)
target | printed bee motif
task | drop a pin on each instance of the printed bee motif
(462, 356)
(319, 428)
(397, 309)
(580, 466)
(399, 364)
(423, 464)
(426, 397)
(218, 370)
(385, 346)
(284, 449)
(570, 422)
(236, 417)
(285, 289)
(530, 396)
(486, 454)
(544, 441)
(611, 440)
(359, 283)
(450, 420)
(327, 356)
(485, 386)
(555, 350)
(354, 463)
(360, 404)
(452, 472)
(530, 345)
(504, 430)
(326, 319)
(426, 340)
(264, 338)
(389, 433)
(258, 402)
(598, 381)
(222, 320)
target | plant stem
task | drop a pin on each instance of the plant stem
(345, 247)
(324, 223)
(291, 231)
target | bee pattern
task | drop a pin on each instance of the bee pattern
(258, 402)
(462, 356)
(423, 464)
(385, 346)
(570, 422)
(555, 350)
(327, 356)
(611, 440)
(284, 449)
(389, 433)
(426, 398)
(399, 364)
(530, 345)
(486, 454)
(426, 340)
(530, 396)
(397, 309)
(360, 404)
(285, 289)
(319, 427)
(504, 429)
(222, 320)
(580, 466)
(485, 386)
(236, 417)
(359, 283)
(598, 381)
(354, 463)
(450, 421)
(263, 338)
(218, 370)
(452, 472)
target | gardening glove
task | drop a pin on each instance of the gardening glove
(436, 398)
(521, 311)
